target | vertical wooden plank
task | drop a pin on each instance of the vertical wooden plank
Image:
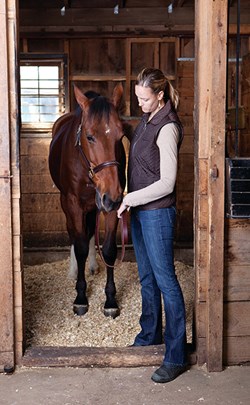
(13, 52)
(6, 274)
(25, 45)
(177, 54)
(156, 54)
(215, 114)
(210, 93)
(128, 77)
(216, 185)
(200, 159)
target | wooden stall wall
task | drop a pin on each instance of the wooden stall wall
(237, 292)
(113, 60)
(43, 220)
(245, 97)
(237, 237)
(185, 180)
(243, 144)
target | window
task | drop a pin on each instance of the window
(42, 88)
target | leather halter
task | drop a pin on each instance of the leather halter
(92, 170)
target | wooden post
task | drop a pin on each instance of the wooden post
(210, 98)
(6, 275)
(14, 120)
(10, 253)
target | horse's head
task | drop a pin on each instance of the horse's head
(100, 141)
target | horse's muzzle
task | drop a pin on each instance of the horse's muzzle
(105, 203)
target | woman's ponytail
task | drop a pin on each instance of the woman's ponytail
(173, 94)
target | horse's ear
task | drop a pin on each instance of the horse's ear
(82, 100)
(117, 95)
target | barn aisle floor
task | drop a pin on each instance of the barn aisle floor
(123, 386)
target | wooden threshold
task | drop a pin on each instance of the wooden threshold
(142, 356)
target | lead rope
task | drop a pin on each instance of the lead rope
(124, 236)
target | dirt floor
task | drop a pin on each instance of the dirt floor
(123, 386)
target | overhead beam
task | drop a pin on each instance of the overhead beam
(129, 21)
(44, 18)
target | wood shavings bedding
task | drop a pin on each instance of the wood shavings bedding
(49, 296)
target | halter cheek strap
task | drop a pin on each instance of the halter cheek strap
(92, 170)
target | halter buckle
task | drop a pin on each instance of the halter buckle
(91, 173)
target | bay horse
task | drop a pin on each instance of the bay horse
(87, 164)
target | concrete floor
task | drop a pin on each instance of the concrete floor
(123, 386)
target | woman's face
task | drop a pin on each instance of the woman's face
(148, 101)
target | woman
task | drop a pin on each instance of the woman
(152, 173)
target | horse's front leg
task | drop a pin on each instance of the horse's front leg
(109, 251)
(78, 256)
(80, 306)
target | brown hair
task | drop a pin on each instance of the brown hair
(157, 81)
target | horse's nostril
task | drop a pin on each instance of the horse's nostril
(107, 201)
(108, 204)
(104, 199)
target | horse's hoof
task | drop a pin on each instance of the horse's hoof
(112, 312)
(80, 309)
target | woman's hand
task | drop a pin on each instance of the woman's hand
(122, 208)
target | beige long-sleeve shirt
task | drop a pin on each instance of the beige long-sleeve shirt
(167, 142)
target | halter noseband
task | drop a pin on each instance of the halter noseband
(92, 170)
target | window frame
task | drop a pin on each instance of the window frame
(45, 60)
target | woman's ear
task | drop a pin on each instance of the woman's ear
(160, 95)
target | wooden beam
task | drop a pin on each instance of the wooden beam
(104, 17)
(210, 96)
(112, 78)
(96, 357)
(130, 21)
(7, 69)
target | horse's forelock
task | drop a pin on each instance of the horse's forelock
(100, 107)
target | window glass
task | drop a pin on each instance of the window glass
(42, 92)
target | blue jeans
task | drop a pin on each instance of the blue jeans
(153, 234)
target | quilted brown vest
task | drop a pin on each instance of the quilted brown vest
(144, 155)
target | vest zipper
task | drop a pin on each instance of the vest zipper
(140, 135)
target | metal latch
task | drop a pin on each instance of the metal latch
(214, 172)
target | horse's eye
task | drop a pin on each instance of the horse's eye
(90, 138)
